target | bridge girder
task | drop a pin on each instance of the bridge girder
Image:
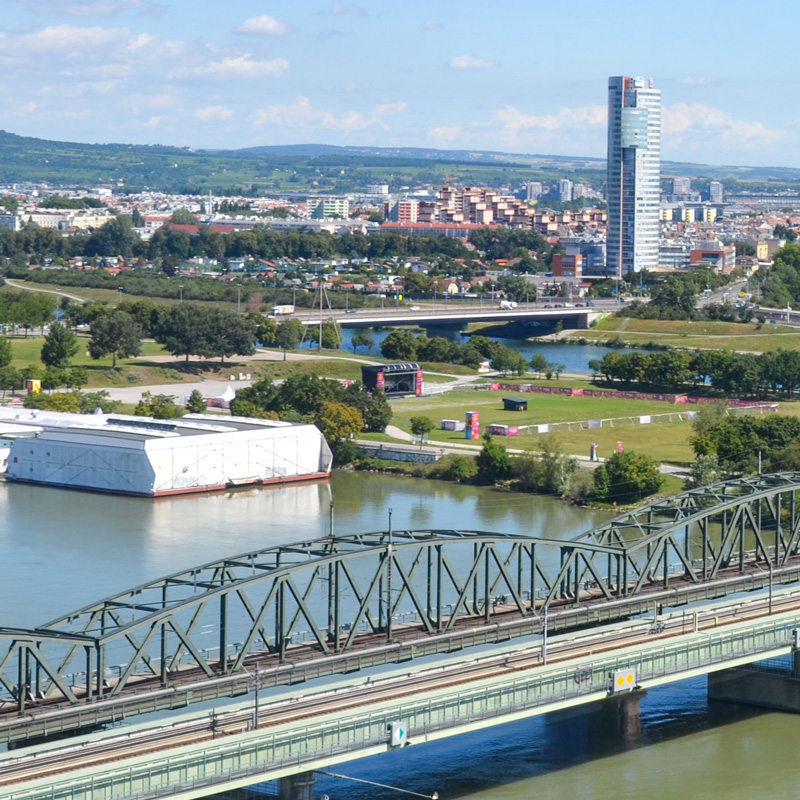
(333, 595)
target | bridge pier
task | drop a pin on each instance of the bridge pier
(298, 787)
(761, 687)
(623, 716)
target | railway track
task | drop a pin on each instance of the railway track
(25, 767)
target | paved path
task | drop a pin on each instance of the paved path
(28, 288)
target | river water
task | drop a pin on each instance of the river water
(574, 357)
(61, 550)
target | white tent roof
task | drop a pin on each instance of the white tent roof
(227, 395)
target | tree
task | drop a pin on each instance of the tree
(399, 345)
(362, 339)
(182, 331)
(60, 345)
(339, 421)
(258, 397)
(493, 462)
(289, 335)
(5, 352)
(266, 330)
(421, 427)
(226, 333)
(507, 360)
(373, 405)
(196, 403)
(548, 471)
(182, 216)
(539, 363)
(704, 471)
(159, 406)
(626, 478)
(305, 395)
(118, 334)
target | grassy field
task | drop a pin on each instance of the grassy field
(701, 334)
(667, 441)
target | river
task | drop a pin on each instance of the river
(574, 357)
(61, 550)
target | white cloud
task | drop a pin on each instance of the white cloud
(93, 8)
(512, 119)
(432, 25)
(343, 9)
(446, 135)
(265, 25)
(581, 129)
(235, 67)
(467, 61)
(692, 80)
(213, 114)
(695, 126)
(300, 114)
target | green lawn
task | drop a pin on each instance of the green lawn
(701, 334)
(663, 441)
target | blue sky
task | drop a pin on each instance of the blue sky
(525, 76)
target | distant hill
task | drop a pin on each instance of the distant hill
(317, 168)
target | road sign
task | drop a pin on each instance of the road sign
(399, 734)
(623, 680)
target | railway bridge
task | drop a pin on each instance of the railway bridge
(653, 595)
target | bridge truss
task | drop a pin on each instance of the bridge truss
(343, 594)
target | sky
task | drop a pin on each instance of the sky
(524, 76)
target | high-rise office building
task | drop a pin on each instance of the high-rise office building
(716, 192)
(634, 167)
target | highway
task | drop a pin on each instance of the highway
(427, 313)
(92, 753)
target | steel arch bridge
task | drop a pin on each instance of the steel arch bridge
(349, 595)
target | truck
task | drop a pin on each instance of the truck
(280, 311)
(507, 305)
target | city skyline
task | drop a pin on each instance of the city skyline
(441, 75)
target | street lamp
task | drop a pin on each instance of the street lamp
(544, 630)
(181, 288)
(254, 679)
(238, 299)
(120, 294)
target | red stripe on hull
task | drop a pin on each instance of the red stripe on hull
(315, 476)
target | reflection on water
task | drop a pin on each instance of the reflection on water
(67, 549)
(61, 550)
(574, 357)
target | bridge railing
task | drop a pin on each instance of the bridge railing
(260, 755)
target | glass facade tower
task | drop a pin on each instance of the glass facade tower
(633, 186)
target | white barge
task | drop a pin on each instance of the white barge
(140, 456)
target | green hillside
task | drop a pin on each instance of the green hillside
(300, 169)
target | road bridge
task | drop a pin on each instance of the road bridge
(359, 601)
(456, 315)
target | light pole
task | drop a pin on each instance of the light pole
(238, 299)
(254, 677)
(181, 288)
(120, 295)
(544, 631)
(769, 566)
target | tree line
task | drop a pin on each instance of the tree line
(729, 373)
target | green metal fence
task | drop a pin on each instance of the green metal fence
(265, 754)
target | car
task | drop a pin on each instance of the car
(414, 308)
(350, 311)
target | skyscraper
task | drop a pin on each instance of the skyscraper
(634, 167)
